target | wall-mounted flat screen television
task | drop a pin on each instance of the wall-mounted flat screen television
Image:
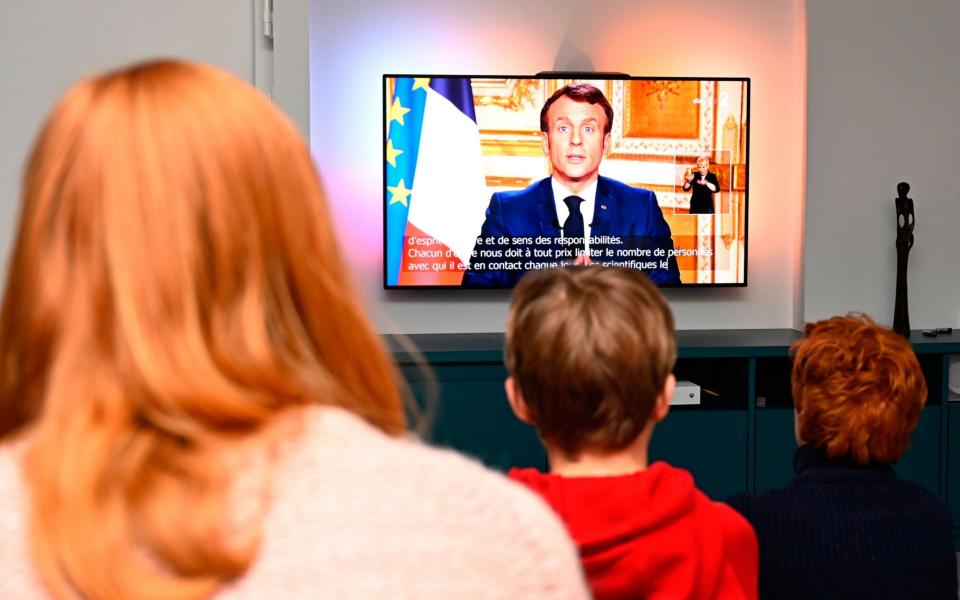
(487, 178)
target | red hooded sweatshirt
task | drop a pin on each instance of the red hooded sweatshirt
(652, 534)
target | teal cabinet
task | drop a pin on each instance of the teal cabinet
(952, 476)
(776, 445)
(921, 462)
(740, 438)
(709, 440)
(464, 406)
(774, 427)
(710, 444)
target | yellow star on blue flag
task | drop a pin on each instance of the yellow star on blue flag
(399, 193)
(392, 153)
(397, 111)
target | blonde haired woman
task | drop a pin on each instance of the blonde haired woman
(192, 400)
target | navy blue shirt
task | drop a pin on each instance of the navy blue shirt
(843, 530)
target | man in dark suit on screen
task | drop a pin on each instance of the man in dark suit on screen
(575, 215)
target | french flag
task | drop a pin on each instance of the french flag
(436, 194)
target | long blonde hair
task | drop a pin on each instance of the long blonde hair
(175, 286)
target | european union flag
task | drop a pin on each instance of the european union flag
(404, 122)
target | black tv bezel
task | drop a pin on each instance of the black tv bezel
(578, 75)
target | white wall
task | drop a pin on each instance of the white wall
(46, 45)
(352, 44)
(884, 86)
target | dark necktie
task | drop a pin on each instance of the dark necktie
(573, 226)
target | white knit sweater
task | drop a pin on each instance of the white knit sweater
(357, 514)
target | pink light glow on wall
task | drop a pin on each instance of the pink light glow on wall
(353, 45)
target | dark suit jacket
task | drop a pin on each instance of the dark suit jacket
(522, 232)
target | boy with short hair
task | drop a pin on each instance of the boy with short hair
(590, 353)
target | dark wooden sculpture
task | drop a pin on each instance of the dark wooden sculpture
(905, 222)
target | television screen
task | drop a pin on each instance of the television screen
(487, 178)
